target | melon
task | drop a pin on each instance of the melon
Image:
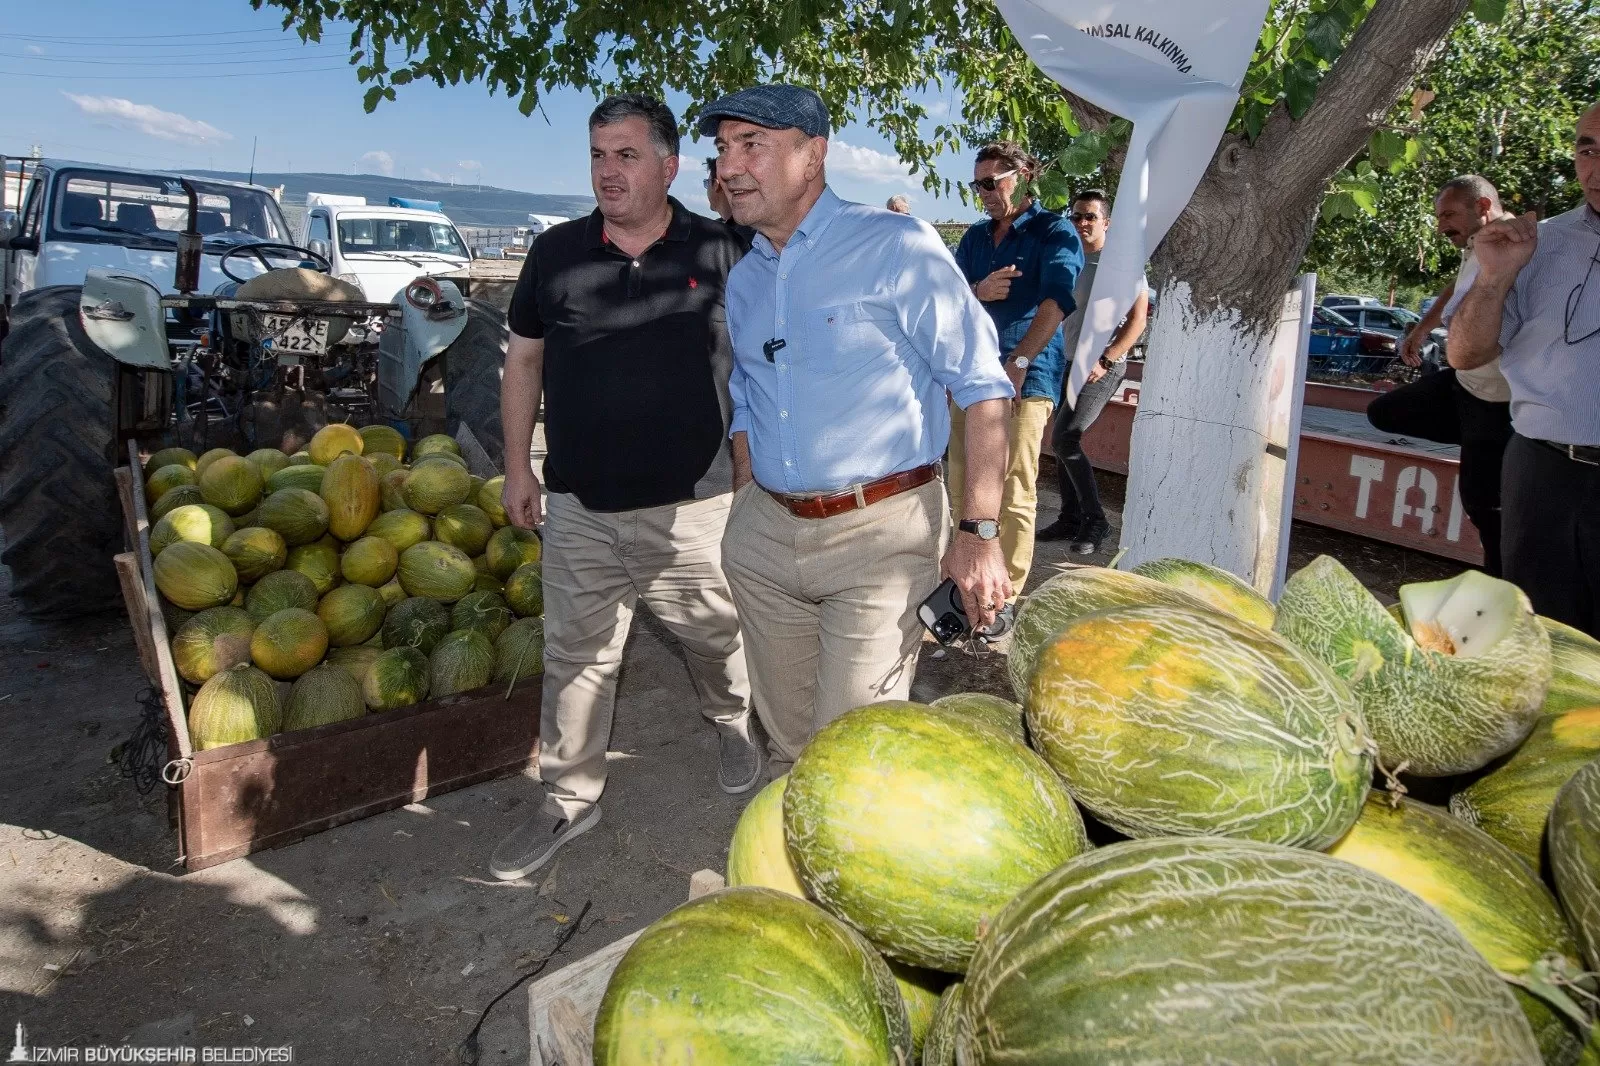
(749, 975)
(321, 696)
(398, 677)
(181, 496)
(450, 457)
(279, 591)
(231, 483)
(350, 489)
(916, 826)
(919, 993)
(268, 461)
(306, 476)
(369, 561)
(318, 561)
(1486, 891)
(1575, 856)
(300, 458)
(392, 489)
(1216, 587)
(519, 651)
(436, 444)
(462, 661)
(401, 528)
(195, 576)
(235, 705)
(200, 523)
(1165, 721)
(170, 457)
(356, 661)
(511, 547)
(332, 441)
(1575, 669)
(383, 463)
(392, 591)
(525, 589)
(434, 484)
(1463, 686)
(1230, 951)
(939, 1046)
(757, 854)
(297, 515)
(1072, 594)
(463, 526)
(487, 582)
(209, 457)
(436, 571)
(288, 643)
(490, 500)
(210, 642)
(164, 479)
(352, 613)
(417, 622)
(990, 710)
(484, 611)
(477, 485)
(382, 440)
(255, 552)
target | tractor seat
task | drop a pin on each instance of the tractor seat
(296, 283)
(138, 217)
(80, 209)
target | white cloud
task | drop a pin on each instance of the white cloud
(867, 164)
(34, 50)
(431, 175)
(379, 161)
(939, 108)
(148, 119)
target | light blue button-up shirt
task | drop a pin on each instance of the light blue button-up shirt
(877, 323)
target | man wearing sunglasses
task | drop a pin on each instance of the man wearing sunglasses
(1535, 304)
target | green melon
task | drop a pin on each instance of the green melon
(747, 976)
(990, 710)
(398, 677)
(484, 611)
(306, 476)
(435, 484)
(279, 591)
(462, 661)
(1172, 722)
(490, 502)
(511, 547)
(297, 515)
(392, 591)
(321, 696)
(383, 463)
(195, 576)
(369, 561)
(1462, 687)
(1213, 585)
(318, 561)
(164, 479)
(382, 440)
(463, 526)
(288, 643)
(757, 854)
(350, 489)
(401, 528)
(268, 461)
(392, 489)
(939, 1046)
(231, 483)
(919, 993)
(235, 705)
(199, 523)
(1181, 951)
(356, 661)
(436, 571)
(300, 458)
(477, 484)
(1575, 856)
(209, 457)
(352, 613)
(435, 444)
(417, 622)
(210, 642)
(172, 499)
(1490, 894)
(170, 457)
(1072, 594)
(332, 441)
(255, 552)
(519, 651)
(1575, 669)
(916, 826)
(525, 590)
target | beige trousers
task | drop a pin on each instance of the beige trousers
(597, 565)
(829, 605)
(1019, 499)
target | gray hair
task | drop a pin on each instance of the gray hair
(657, 116)
(899, 202)
(1474, 187)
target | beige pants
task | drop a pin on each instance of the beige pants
(597, 565)
(829, 605)
(1019, 499)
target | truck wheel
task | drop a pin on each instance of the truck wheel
(58, 442)
(472, 367)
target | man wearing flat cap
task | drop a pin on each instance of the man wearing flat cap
(850, 325)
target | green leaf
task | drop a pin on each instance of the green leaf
(1325, 36)
(1299, 87)
(1384, 147)
(369, 102)
(1490, 11)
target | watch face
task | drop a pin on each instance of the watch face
(988, 529)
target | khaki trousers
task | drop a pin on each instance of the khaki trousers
(1019, 499)
(829, 605)
(597, 565)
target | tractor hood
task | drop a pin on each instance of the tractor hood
(67, 262)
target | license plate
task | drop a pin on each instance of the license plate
(296, 336)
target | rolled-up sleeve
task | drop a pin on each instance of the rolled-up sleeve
(944, 321)
(1061, 262)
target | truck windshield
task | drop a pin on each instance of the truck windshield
(108, 204)
(399, 235)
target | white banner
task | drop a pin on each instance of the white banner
(1173, 67)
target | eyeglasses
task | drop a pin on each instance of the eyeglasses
(1575, 300)
(990, 184)
(1083, 216)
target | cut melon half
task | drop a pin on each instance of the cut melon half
(1464, 616)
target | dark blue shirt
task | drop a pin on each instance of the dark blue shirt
(1045, 247)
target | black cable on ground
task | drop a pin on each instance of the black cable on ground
(142, 755)
(467, 1050)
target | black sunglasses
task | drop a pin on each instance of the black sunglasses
(989, 184)
(1575, 300)
(1081, 216)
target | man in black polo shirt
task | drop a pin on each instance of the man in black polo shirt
(618, 323)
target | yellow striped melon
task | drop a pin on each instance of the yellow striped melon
(297, 515)
(231, 483)
(288, 643)
(195, 576)
(757, 854)
(164, 479)
(382, 440)
(369, 561)
(1215, 586)
(255, 552)
(511, 547)
(169, 457)
(434, 484)
(235, 705)
(332, 441)
(200, 523)
(350, 489)
(210, 642)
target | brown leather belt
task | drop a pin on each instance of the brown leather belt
(864, 495)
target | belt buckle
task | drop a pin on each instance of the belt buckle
(1572, 453)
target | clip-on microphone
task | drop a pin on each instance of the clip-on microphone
(773, 347)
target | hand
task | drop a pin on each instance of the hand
(1016, 375)
(521, 499)
(979, 571)
(1096, 372)
(1411, 347)
(997, 286)
(1503, 248)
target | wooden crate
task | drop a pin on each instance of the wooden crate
(261, 794)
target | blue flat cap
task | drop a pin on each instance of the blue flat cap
(777, 107)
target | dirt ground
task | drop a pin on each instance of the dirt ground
(379, 941)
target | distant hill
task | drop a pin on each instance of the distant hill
(467, 205)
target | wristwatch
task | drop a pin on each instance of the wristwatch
(1108, 364)
(1021, 362)
(982, 528)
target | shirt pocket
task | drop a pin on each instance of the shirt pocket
(849, 336)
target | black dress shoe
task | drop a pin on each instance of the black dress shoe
(1060, 529)
(1090, 535)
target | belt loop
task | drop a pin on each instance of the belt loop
(861, 496)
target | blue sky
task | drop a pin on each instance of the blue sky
(152, 84)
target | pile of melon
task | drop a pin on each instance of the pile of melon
(341, 581)
(1191, 842)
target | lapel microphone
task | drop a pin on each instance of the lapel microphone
(773, 347)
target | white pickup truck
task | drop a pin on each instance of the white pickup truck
(383, 249)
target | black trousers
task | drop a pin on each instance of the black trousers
(1080, 497)
(1552, 532)
(1435, 407)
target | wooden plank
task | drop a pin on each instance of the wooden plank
(155, 622)
(133, 598)
(130, 532)
(570, 1034)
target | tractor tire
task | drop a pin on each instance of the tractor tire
(58, 447)
(472, 368)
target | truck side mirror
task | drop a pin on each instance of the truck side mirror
(318, 247)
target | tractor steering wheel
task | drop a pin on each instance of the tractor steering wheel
(263, 253)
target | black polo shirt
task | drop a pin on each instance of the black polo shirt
(636, 358)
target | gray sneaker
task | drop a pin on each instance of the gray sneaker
(739, 766)
(534, 842)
